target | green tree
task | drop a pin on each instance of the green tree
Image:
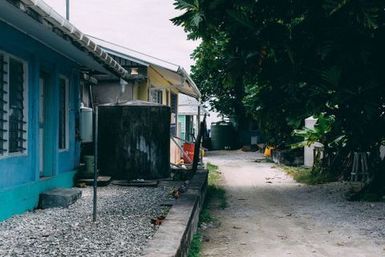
(281, 61)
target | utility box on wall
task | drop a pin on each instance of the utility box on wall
(86, 125)
(134, 140)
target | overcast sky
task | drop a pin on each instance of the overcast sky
(142, 25)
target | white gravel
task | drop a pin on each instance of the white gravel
(123, 227)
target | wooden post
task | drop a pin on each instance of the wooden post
(198, 144)
(95, 184)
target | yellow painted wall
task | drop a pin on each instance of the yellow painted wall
(141, 91)
(166, 97)
(155, 80)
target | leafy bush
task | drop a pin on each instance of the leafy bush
(308, 176)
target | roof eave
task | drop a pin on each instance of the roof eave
(58, 22)
(183, 72)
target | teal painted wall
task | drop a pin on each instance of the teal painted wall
(186, 127)
(20, 183)
(25, 197)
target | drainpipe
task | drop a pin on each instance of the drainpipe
(67, 10)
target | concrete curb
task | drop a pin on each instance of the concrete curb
(174, 236)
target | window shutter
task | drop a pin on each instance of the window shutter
(17, 133)
(3, 102)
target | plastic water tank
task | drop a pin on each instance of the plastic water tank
(223, 136)
(86, 121)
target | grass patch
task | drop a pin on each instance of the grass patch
(195, 247)
(215, 193)
(214, 175)
(307, 176)
(215, 198)
(205, 216)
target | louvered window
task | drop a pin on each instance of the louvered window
(13, 125)
(16, 107)
(63, 114)
(3, 102)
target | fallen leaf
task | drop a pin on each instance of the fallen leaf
(175, 194)
(156, 222)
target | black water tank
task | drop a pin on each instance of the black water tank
(223, 136)
(134, 140)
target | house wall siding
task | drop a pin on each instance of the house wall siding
(19, 171)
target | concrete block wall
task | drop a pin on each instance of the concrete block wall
(174, 236)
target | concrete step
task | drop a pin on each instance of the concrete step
(102, 181)
(136, 183)
(59, 197)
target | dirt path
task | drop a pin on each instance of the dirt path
(271, 215)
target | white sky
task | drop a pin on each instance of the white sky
(143, 25)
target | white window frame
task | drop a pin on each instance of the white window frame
(66, 100)
(155, 89)
(7, 154)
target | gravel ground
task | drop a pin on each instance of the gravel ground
(123, 227)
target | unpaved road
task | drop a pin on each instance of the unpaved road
(271, 215)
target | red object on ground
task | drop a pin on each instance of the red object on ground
(189, 150)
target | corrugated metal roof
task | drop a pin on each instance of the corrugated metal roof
(134, 55)
(175, 74)
(189, 106)
(43, 23)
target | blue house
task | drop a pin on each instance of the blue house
(44, 60)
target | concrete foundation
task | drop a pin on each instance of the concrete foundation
(59, 197)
